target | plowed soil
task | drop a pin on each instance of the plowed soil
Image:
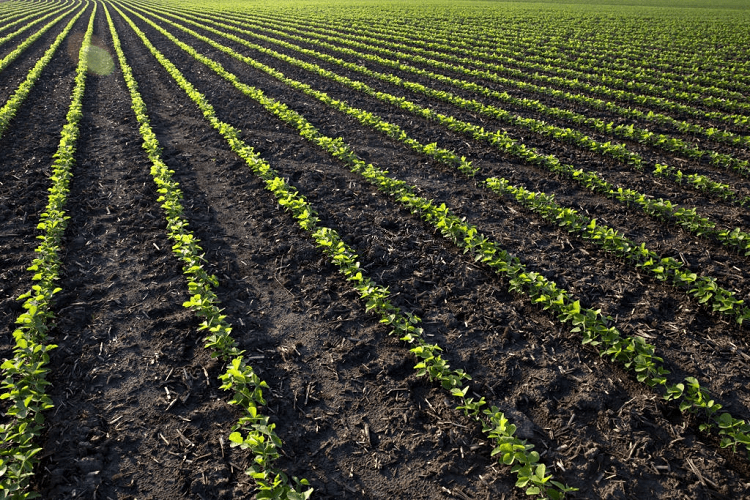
(138, 410)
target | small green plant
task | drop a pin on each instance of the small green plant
(9, 109)
(253, 431)
(696, 400)
(24, 383)
(705, 288)
(404, 325)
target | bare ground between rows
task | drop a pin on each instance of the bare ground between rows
(270, 321)
(623, 310)
(127, 348)
(340, 30)
(25, 160)
(625, 103)
(462, 299)
(657, 236)
(291, 318)
(660, 301)
(514, 91)
(611, 169)
(13, 75)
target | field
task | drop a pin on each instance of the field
(368, 249)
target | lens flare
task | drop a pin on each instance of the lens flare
(100, 62)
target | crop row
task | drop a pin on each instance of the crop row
(13, 55)
(24, 383)
(661, 87)
(687, 218)
(500, 431)
(472, 66)
(665, 269)
(592, 61)
(9, 109)
(624, 131)
(18, 11)
(617, 151)
(599, 50)
(512, 450)
(524, 69)
(630, 132)
(28, 25)
(260, 437)
(633, 352)
(254, 431)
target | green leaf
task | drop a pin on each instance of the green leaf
(236, 438)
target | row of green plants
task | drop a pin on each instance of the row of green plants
(591, 59)
(25, 375)
(12, 8)
(702, 183)
(671, 47)
(525, 73)
(687, 218)
(681, 126)
(28, 25)
(389, 129)
(706, 290)
(517, 453)
(11, 106)
(705, 96)
(634, 353)
(619, 152)
(10, 11)
(253, 431)
(708, 68)
(13, 55)
(630, 131)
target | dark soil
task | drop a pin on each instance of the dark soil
(138, 410)
(27, 147)
(16, 71)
